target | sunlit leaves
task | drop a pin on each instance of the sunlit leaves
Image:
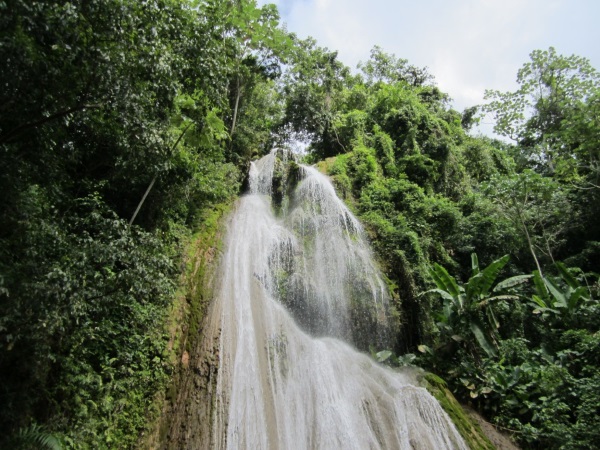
(383, 67)
(549, 85)
(555, 94)
(466, 305)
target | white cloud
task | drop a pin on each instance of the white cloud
(468, 45)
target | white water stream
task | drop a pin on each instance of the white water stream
(293, 291)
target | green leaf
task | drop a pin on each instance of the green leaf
(540, 286)
(425, 349)
(492, 317)
(444, 281)
(490, 273)
(383, 355)
(473, 287)
(442, 292)
(567, 276)
(499, 297)
(578, 294)
(485, 344)
(559, 296)
(539, 301)
(34, 436)
(511, 282)
(474, 264)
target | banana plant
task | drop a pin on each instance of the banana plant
(552, 298)
(467, 308)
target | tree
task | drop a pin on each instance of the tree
(538, 206)
(553, 91)
(390, 69)
(312, 89)
(255, 47)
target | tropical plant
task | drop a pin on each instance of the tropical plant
(468, 308)
(559, 297)
(33, 437)
(388, 357)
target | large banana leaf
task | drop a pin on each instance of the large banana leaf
(480, 283)
(443, 293)
(444, 280)
(552, 297)
(482, 339)
(539, 301)
(511, 282)
(540, 286)
(541, 306)
(567, 276)
(489, 300)
(473, 287)
(560, 299)
(490, 273)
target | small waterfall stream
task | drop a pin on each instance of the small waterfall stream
(299, 291)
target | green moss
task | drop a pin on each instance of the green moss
(286, 175)
(206, 242)
(335, 168)
(469, 430)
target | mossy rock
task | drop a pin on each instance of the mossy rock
(468, 429)
(286, 175)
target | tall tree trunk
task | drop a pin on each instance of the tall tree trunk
(530, 244)
(235, 108)
(22, 128)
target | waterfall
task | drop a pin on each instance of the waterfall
(299, 292)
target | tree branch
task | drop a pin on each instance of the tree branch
(22, 128)
(137, 210)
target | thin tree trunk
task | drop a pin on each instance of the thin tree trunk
(22, 128)
(137, 210)
(235, 109)
(530, 244)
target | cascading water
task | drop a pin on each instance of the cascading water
(294, 292)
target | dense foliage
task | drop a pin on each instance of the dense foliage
(122, 121)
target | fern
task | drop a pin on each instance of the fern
(34, 437)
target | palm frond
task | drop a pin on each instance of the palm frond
(35, 437)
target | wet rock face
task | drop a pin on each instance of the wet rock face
(286, 175)
(319, 264)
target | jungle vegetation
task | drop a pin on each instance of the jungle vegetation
(123, 123)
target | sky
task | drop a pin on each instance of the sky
(467, 45)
